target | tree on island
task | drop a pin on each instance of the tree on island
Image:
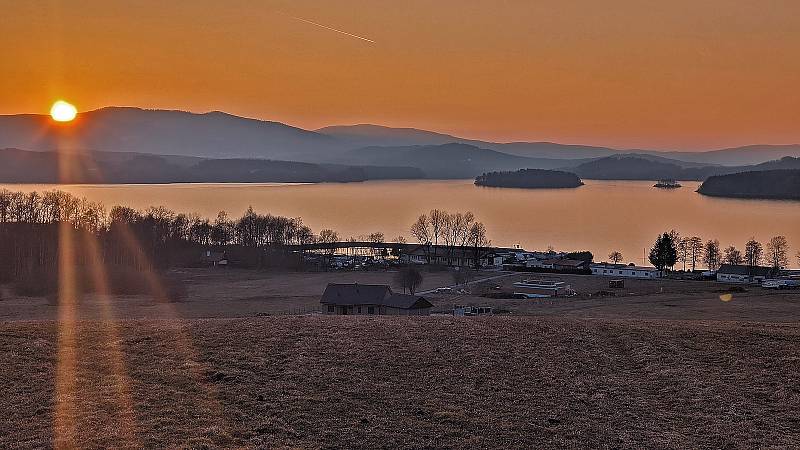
(712, 254)
(615, 257)
(733, 256)
(409, 278)
(663, 253)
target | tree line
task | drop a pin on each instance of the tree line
(453, 230)
(670, 248)
(35, 226)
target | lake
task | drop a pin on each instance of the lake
(601, 216)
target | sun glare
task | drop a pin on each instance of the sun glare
(63, 111)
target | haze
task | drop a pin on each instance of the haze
(624, 73)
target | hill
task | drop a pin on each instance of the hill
(21, 166)
(213, 134)
(365, 135)
(529, 178)
(221, 135)
(766, 184)
(649, 167)
(447, 160)
(630, 167)
(737, 156)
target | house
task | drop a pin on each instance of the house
(543, 288)
(215, 259)
(624, 271)
(730, 273)
(454, 256)
(469, 311)
(558, 264)
(369, 299)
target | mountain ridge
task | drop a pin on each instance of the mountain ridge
(218, 134)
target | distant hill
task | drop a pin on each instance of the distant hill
(100, 167)
(213, 134)
(220, 135)
(767, 184)
(738, 156)
(529, 179)
(374, 135)
(365, 135)
(625, 167)
(647, 167)
(448, 160)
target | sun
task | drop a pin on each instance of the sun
(63, 111)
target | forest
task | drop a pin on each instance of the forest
(529, 178)
(41, 234)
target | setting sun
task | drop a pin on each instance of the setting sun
(63, 111)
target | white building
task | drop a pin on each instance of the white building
(624, 271)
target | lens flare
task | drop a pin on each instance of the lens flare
(63, 111)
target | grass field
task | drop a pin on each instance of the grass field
(664, 364)
(391, 382)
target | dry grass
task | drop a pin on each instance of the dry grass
(347, 382)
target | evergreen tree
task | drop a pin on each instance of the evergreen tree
(663, 253)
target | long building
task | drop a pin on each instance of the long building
(624, 271)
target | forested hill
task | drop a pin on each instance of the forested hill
(21, 166)
(646, 167)
(529, 178)
(766, 184)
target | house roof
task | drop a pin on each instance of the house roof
(445, 251)
(566, 262)
(370, 294)
(623, 266)
(730, 269)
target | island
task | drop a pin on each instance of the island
(766, 184)
(667, 184)
(529, 179)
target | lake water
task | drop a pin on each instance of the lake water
(601, 216)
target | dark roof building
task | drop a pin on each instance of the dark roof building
(743, 274)
(357, 298)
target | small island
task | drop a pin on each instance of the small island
(667, 184)
(766, 184)
(529, 179)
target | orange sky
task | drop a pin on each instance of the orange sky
(630, 73)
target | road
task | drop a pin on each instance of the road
(453, 286)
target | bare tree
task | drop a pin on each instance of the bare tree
(421, 230)
(615, 257)
(675, 236)
(753, 252)
(376, 238)
(733, 256)
(409, 278)
(462, 275)
(712, 254)
(438, 221)
(400, 239)
(478, 240)
(777, 252)
(695, 250)
(682, 248)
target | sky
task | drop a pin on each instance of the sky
(679, 74)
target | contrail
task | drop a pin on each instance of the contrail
(333, 29)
